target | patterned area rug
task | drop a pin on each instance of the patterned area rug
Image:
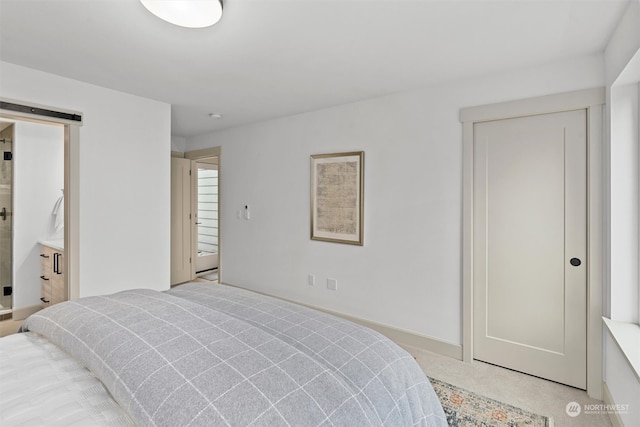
(464, 408)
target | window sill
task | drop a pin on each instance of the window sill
(627, 336)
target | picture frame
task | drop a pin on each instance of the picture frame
(337, 197)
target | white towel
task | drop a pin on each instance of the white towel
(58, 213)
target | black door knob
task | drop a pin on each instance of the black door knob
(575, 262)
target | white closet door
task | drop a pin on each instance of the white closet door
(529, 230)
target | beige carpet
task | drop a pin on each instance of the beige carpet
(513, 388)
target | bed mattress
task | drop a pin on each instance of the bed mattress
(41, 385)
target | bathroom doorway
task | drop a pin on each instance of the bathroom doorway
(6, 217)
(25, 297)
(31, 212)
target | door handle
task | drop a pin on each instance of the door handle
(4, 214)
(57, 268)
(575, 262)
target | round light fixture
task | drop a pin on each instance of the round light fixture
(215, 116)
(186, 13)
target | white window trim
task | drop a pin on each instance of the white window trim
(627, 337)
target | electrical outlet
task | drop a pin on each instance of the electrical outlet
(332, 284)
(311, 280)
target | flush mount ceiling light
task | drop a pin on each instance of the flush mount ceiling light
(186, 13)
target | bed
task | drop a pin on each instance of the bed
(206, 355)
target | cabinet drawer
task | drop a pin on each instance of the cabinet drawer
(45, 292)
(46, 257)
(52, 281)
(58, 293)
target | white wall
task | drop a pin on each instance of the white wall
(623, 44)
(408, 273)
(38, 178)
(124, 230)
(622, 383)
(178, 143)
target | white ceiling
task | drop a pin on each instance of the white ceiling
(271, 58)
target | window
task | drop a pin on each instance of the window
(625, 204)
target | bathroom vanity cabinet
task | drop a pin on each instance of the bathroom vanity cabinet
(53, 287)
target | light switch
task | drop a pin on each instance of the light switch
(311, 280)
(332, 284)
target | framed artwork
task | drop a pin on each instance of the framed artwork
(337, 189)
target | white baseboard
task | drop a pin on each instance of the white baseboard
(400, 336)
(412, 339)
(616, 421)
(24, 312)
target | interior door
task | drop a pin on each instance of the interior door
(529, 250)
(181, 270)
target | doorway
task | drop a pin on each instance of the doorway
(6, 217)
(591, 102)
(31, 211)
(195, 219)
(28, 302)
(206, 217)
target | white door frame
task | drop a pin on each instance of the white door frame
(593, 101)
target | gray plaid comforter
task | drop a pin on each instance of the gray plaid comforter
(209, 355)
